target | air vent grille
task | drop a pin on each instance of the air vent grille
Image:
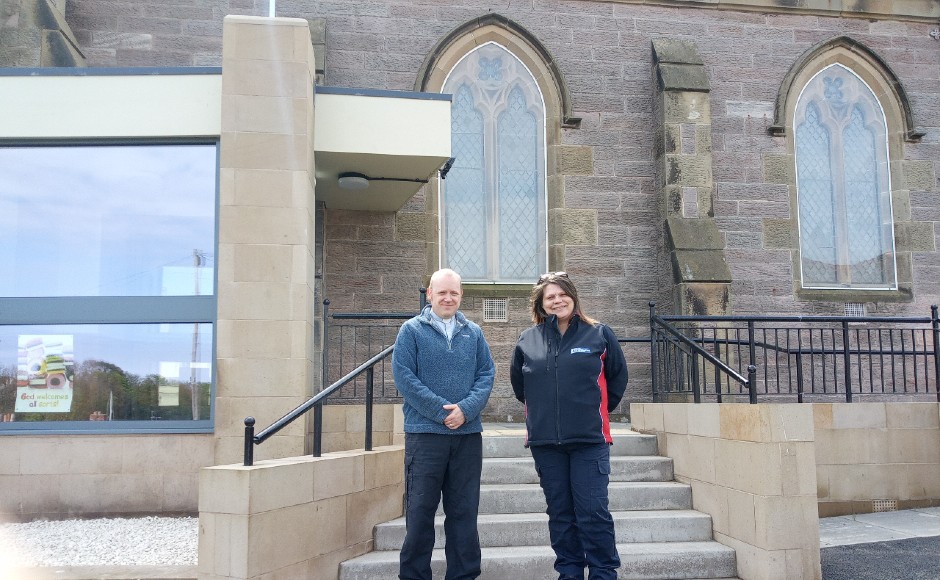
(495, 310)
(854, 309)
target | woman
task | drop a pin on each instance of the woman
(570, 372)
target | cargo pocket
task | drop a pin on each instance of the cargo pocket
(599, 486)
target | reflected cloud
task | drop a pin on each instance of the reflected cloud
(100, 220)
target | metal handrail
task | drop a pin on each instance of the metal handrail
(745, 318)
(785, 349)
(691, 348)
(316, 402)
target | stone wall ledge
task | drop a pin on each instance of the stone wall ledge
(916, 10)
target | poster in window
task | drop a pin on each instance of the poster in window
(44, 373)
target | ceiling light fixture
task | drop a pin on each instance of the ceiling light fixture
(353, 181)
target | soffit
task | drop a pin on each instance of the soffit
(397, 139)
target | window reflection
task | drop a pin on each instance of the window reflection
(132, 220)
(105, 372)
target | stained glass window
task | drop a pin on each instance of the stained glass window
(843, 184)
(493, 223)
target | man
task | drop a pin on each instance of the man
(444, 371)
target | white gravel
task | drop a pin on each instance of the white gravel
(147, 541)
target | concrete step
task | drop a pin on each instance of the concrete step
(511, 443)
(502, 530)
(646, 561)
(623, 468)
(624, 496)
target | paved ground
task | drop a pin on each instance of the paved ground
(913, 559)
(880, 527)
(902, 545)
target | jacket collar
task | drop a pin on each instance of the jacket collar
(552, 322)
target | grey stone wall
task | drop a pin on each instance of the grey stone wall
(615, 247)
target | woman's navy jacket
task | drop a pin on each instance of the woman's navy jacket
(569, 383)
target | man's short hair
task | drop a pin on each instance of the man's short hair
(442, 273)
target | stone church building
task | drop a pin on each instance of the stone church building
(711, 156)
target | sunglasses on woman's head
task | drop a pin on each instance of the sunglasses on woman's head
(550, 275)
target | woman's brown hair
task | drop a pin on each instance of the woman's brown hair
(567, 286)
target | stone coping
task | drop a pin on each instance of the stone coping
(925, 10)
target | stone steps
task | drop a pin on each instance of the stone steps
(531, 529)
(627, 468)
(648, 561)
(659, 536)
(624, 496)
(511, 443)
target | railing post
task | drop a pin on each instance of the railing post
(324, 382)
(249, 441)
(799, 376)
(325, 365)
(935, 324)
(370, 376)
(423, 298)
(696, 387)
(752, 355)
(717, 368)
(847, 361)
(752, 384)
(751, 344)
(318, 429)
(654, 355)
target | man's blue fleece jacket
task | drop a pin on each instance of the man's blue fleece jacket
(431, 371)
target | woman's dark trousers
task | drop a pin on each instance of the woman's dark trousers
(574, 478)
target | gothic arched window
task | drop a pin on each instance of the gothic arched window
(843, 184)
(493, 202)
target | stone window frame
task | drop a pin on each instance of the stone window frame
(533, 54)
(784, 233)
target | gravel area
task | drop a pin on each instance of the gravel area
(148, 541)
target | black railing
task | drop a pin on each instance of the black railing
(365, 370)
(679, 360)
(316, 403)
(349, 337)
(799, 358)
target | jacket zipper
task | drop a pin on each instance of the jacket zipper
(449, 339)
(557, 392)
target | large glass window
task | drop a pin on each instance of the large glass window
(843, 184)
(493, 223)
(107, 221)
(107, 305)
